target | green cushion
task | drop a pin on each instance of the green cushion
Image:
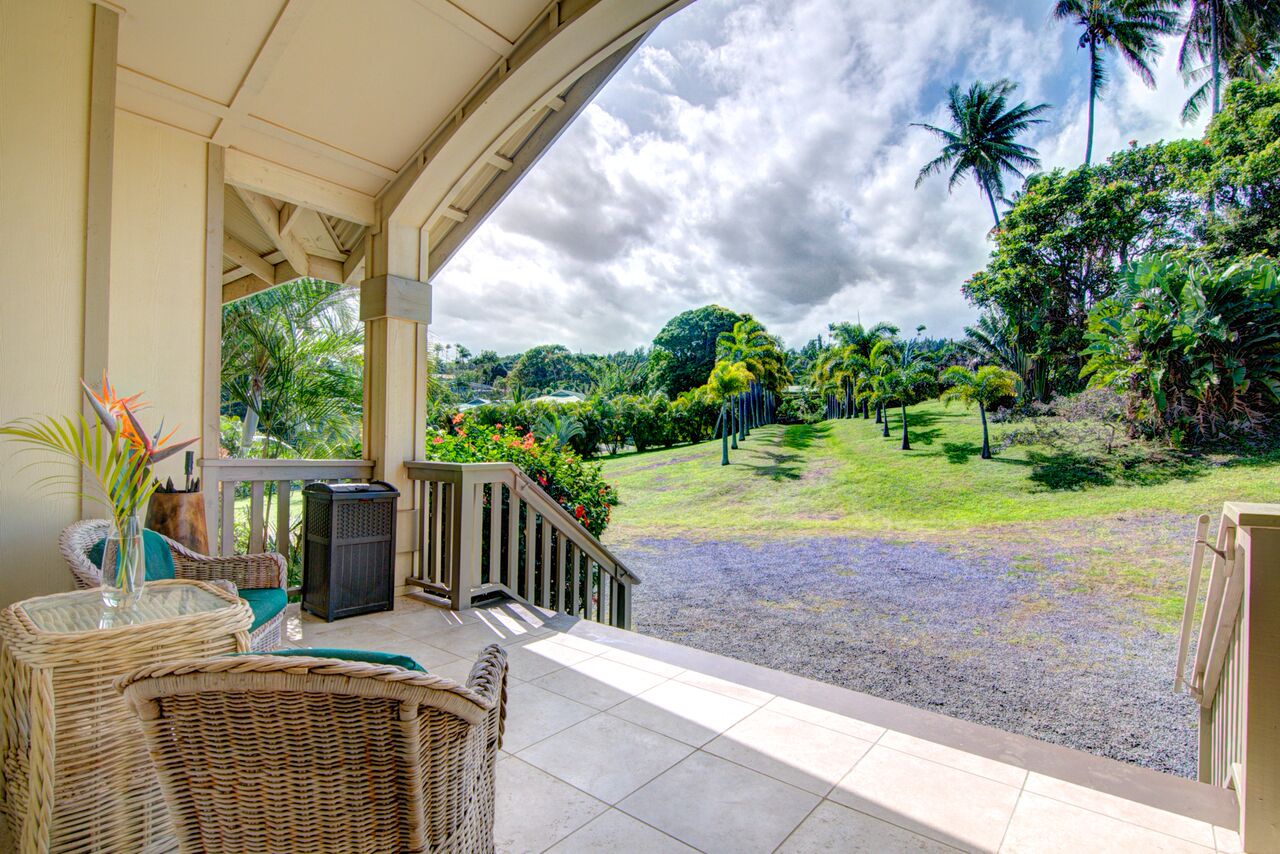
(367, 656)
(266, 603)
(155, 550)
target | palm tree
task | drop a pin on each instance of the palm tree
(986, 386)
(911, 380)
(984, 138)
(563, 429)
(849, 355)
(876, 385)
(727, 381)
(292, 362)
(1131, 28)
(1225, 37)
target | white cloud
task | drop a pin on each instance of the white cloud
(758, 154)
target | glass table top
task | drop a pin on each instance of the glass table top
(82, 610)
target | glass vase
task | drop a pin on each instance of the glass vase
(123, 566)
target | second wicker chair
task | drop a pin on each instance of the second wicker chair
(270, 753)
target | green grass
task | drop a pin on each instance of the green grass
(843, 477)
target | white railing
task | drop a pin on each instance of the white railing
(271, 482)
(486, 528)
(1234, 673)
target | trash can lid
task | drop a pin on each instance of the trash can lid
(374, 487)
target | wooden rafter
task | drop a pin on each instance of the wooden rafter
(268, 217)
(245, 257)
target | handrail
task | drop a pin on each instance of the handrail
(478, 519)
(221, 476)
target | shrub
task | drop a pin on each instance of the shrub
(803, 408)
(576, 484)
(1194, 347)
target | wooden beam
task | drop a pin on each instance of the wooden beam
(281, 274)
(211, 359)
(233, 274)
(289, 216)
(543, 136)
(263, 176)
(101, 165)
(247, 258)
(282, 32)
(245, 286)
(355, 261)
(477, 30)
(268, 217)
(450, 212)
(332, 235)
(499, 162)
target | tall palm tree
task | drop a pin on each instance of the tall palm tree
(986, 387)
(853, 343)
(1226, 39)
(983, 141)
(727, 381)
(1131, 28)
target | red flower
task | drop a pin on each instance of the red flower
(498, 425)
(496, 437)
(438, 440)
(580, 512)
(457, 419)
(542, 480)
(462, 432)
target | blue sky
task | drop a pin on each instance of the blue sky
(759, 154)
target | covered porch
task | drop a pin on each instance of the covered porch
(620, 742)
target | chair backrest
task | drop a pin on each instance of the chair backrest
(273, 753)
(75, 542)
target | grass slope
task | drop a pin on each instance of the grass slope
(844, 477)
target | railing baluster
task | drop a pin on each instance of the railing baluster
(228, 537)
(562, 564)
(497, 566)
(530, 540)
(546, 546)
(513, 546)
(569, 592)
(257, 524)
(284, 495)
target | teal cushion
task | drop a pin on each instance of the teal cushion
(367, 656)
(266, 603)
(154, 548)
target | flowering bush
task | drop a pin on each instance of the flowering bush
(576, 484)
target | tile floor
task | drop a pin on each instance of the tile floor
(612, 750)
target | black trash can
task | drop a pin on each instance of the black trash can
(349, 549)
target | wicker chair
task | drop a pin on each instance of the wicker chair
(241, 571)
(273, 753)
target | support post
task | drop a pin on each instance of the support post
(396, 311)
(211, 365)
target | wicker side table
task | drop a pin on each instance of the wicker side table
(75, 774)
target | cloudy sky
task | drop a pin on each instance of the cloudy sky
(758, 154)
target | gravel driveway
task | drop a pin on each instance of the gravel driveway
(948, 629)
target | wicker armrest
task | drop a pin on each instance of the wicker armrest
(244, 571)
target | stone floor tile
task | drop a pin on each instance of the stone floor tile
(822, 717)
(1190, 829)
(1001, 772)
(724, 686)
(534, 713)
(467, 640)
(534, 810)
(599, 683)
(717, 806)
(1227, 841)
(805, 755)
(833, 828)
(539, 657)
(938, 801)
(618, 833)
(606, 757)
(643, 662)
(692, 715)
(1046, 826)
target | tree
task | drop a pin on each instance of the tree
(546, 367)
(983, 141)
(846, 361)
(986, 386)
(1068, 235)
(1131, 28)
(1230, 39)
(1243, 142)
(684, 352)
(725, 383)
(292, 370)
(910, 378)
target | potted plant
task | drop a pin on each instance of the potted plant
(117, 454)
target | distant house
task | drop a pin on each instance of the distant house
(473, 403)
(560, 395)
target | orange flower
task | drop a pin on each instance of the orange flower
(457, 419)
(438, 440)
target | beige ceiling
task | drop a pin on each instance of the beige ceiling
(335, 113)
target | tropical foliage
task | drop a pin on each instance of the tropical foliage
(987, 387)
(1194, 346)
(575, 483)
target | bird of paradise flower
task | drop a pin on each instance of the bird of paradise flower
(115, 450)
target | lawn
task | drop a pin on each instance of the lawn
(844, 477)
(1038, 592)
